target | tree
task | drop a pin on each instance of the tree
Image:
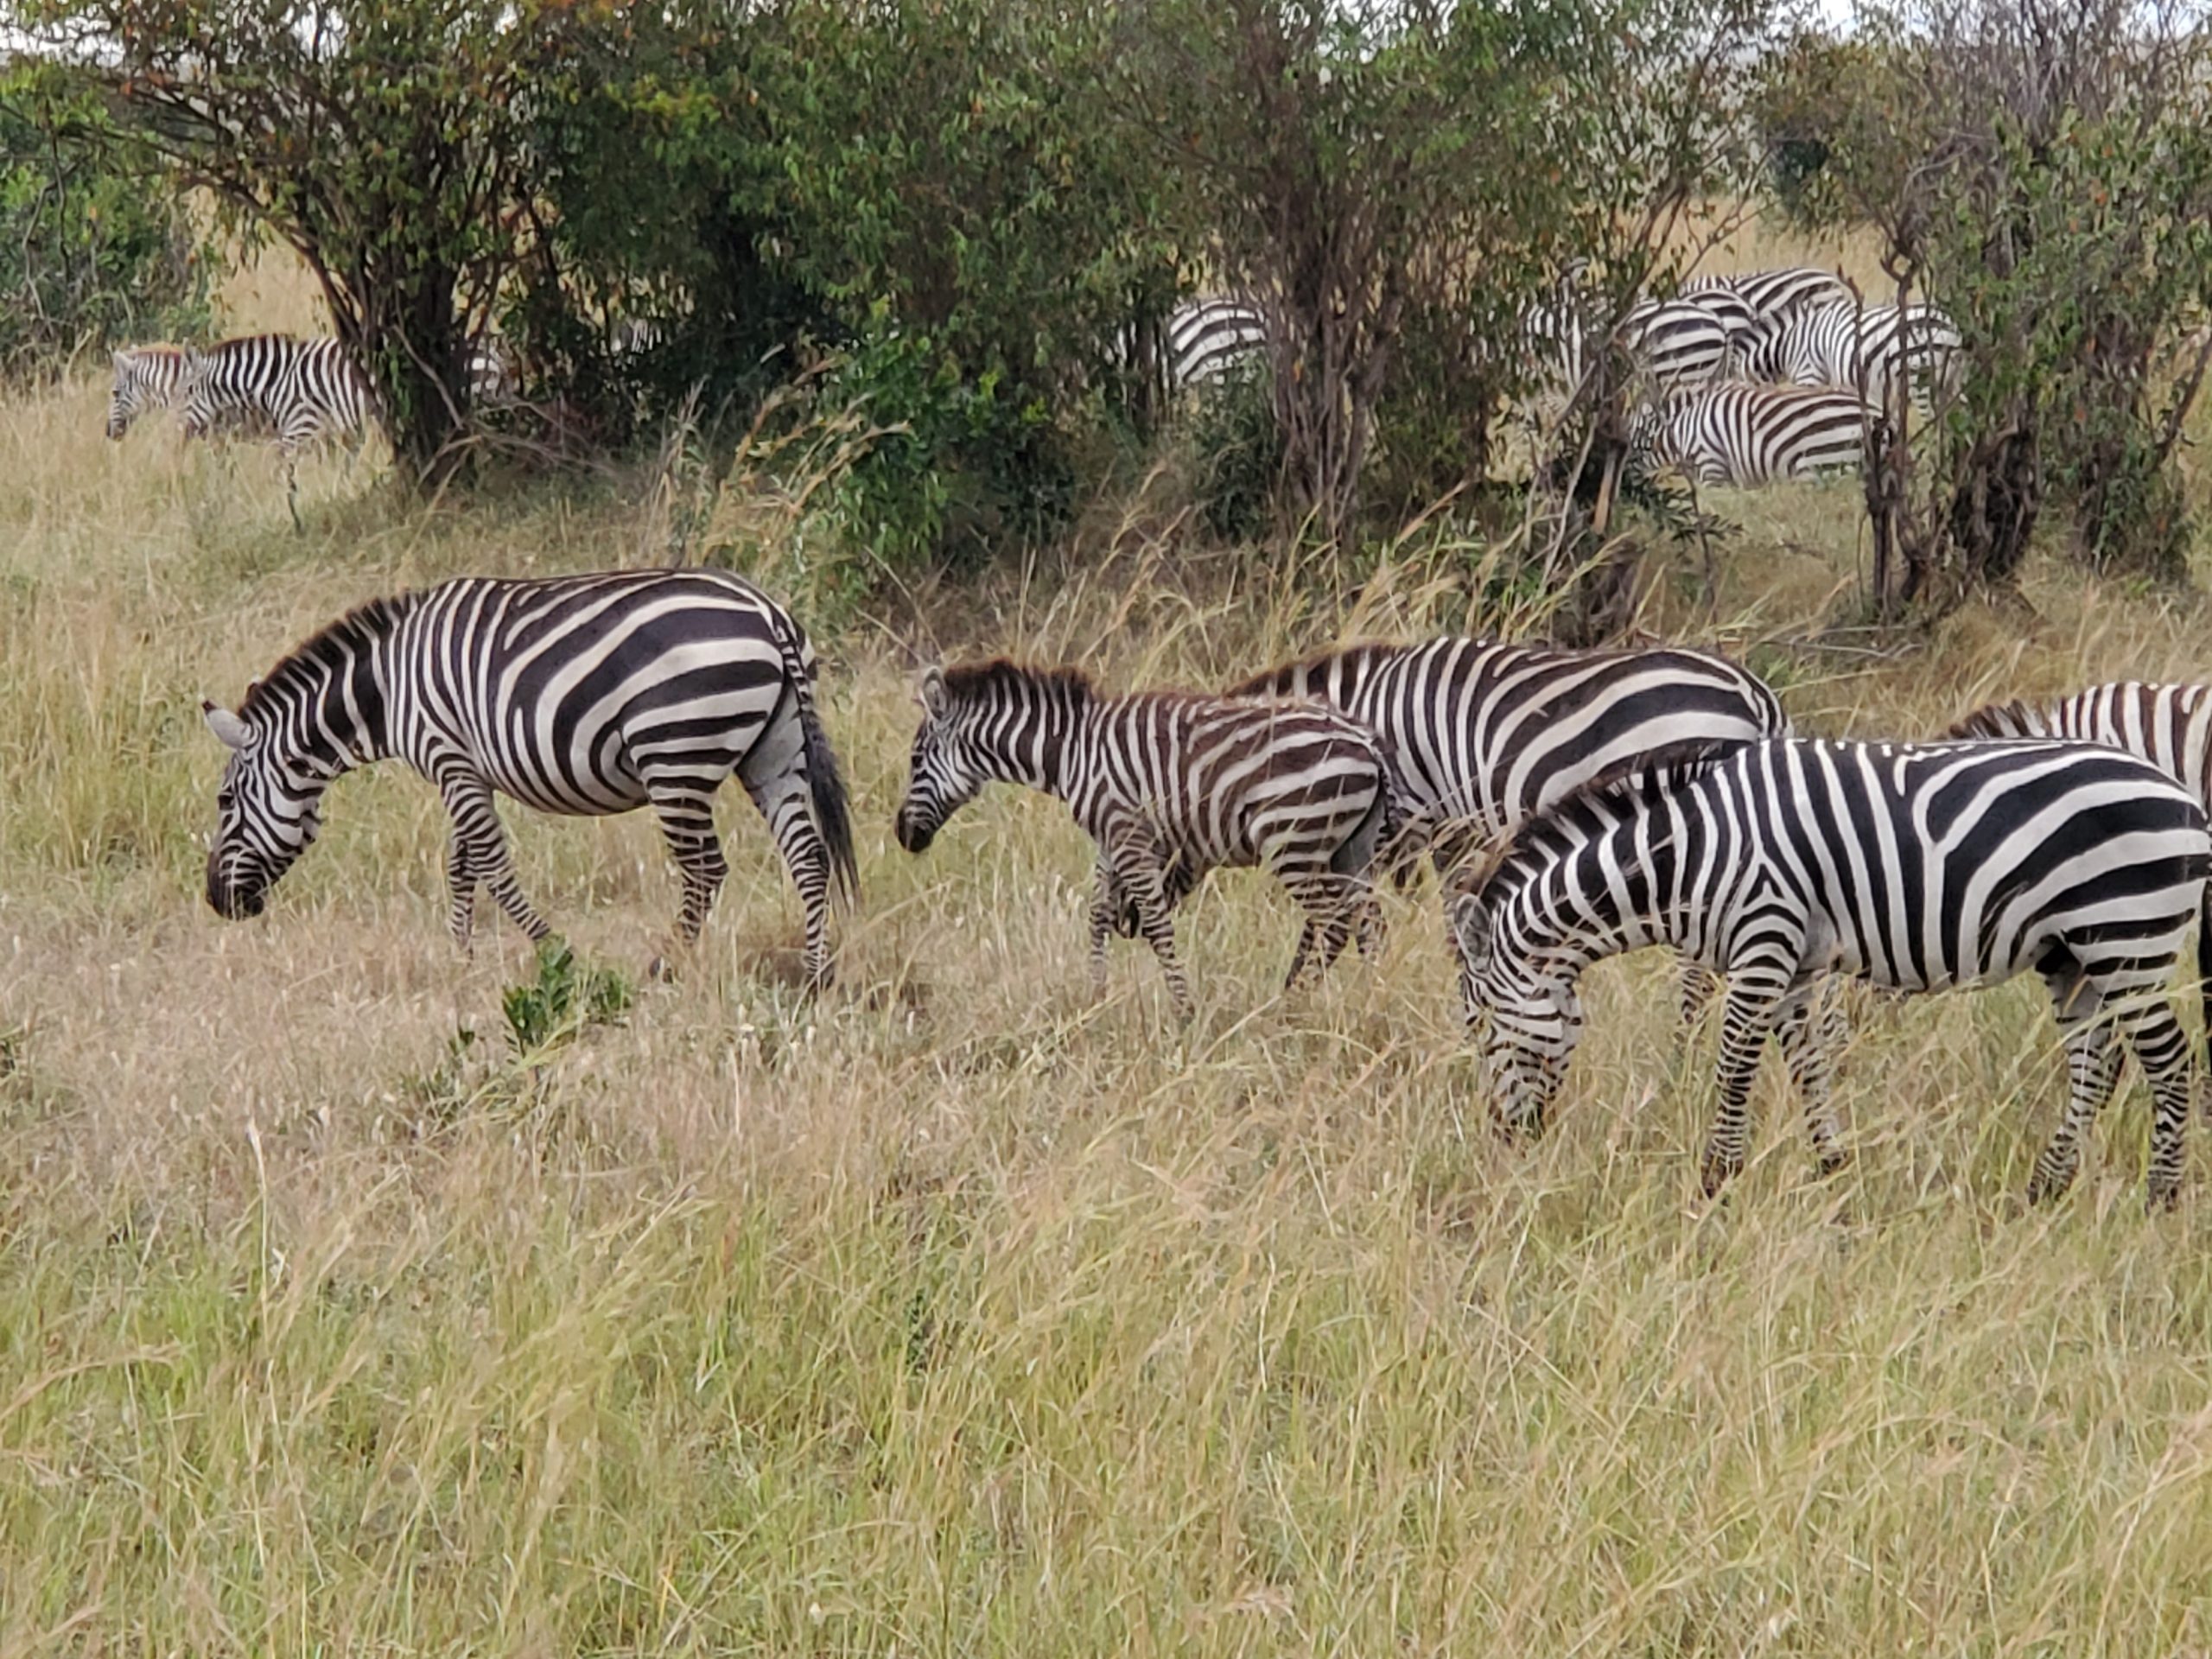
(2043, 170)
(384, 140)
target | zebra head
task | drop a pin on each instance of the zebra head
(269, 810)
(1530, 1021)
(948, 768)
(140, 386)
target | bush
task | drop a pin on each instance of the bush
(90, 256)
(1237, 451)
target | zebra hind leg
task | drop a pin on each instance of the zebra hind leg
(1139, 870)
(461, 884)
(2162, 1050)
(1332, 904)
(788, 804)
(2091, 1073)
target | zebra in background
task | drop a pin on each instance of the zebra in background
(302, 390)
(1845, 346)
(1770, 295)
(1669, 344)
(1744, 434)
(580, 695)
(1917, 867)
(1163, 780)
(147, 377)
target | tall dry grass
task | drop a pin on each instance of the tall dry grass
(956, 1313)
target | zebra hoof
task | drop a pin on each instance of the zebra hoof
(1829, 1165)
(2162, 1198)
(659, 971)
(1716, 1173)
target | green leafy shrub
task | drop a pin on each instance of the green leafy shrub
(1236, 450)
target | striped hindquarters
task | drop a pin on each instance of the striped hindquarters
(1675, 343)
(2169, 726)
(1207, 338)
(303, 389)
(1777, 293)
(1741, 434)
(1488, 733)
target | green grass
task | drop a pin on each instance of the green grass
(956, 1313)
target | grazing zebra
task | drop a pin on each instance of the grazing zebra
(1743, 434)
(1858, 349)
(302, 390)
(1669, 344)
(1775, 294)
(147, 377)
(1917, 867)
(1165, 779)
(580, 694)
(1207, 339)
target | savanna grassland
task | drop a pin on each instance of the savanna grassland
(350, 1305)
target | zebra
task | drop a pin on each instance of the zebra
(1669, 344)
(302, 390)
(1860, 349)
(1919, 867)
(2169, 726)
(1744, 434)
(586, 695)
(1165, 779)
(147, 377)
(1774, 294)
(1208, 338)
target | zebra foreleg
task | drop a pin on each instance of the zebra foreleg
(2091, 1073)
(460, 885)
(1754, 996)
(1139, 870)
(1330, 902)
(1811, 1029)
(479, 848)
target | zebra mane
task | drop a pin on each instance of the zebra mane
(1616, 789)
(1303, 671)
(352, 632)
(1001, 677)
(2018, 718)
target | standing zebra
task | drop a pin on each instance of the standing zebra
(1918, 868)
(580, 695)
(1166, 779)
(1743, 434)
(147, 377)
(1860, 349)
(1669, 344)
(304, 389)
(1775, 294)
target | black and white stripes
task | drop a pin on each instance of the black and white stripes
(1743, 434)
(580, 694)
(1916, 868)
(305, 390)
(1165, 779)
(147, 377)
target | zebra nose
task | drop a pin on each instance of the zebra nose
(913, 835)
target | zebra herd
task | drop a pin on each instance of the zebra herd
(1742, 380)
(1577, 804)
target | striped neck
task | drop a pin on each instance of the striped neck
(1024, 726)
(1594, 882)
(328, 701)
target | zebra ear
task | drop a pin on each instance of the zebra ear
(1472, 931)
(234, 732)
(931, 691)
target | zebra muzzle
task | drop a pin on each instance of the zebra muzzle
(913, 834)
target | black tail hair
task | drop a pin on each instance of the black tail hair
(2204, 983)
(833, 813)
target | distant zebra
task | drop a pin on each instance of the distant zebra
(302, 390)
(1775, 294)
(147, 377)
(1918, 868)
(1207, 339)
(1743, 434)
(580, 695)
(1859, 350)
(1162, 780)
(1669, 344)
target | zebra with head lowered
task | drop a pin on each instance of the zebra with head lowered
(147, 377)
(1165, 779)
(580, 695)
(302, 391)
(1918, 868)
(1743, 436)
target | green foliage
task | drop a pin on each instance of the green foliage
(1236, 448)
(563, 1000)
(2056, 202)
(90, 255)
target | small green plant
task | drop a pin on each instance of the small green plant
(565, 999)
(1239, 453)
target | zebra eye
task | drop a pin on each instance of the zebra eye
(226, 798)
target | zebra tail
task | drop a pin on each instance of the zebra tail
(2204, 983)
(1403, 832)
(825, 780)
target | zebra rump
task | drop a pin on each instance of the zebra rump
(1745, 434)
(2169, 726)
